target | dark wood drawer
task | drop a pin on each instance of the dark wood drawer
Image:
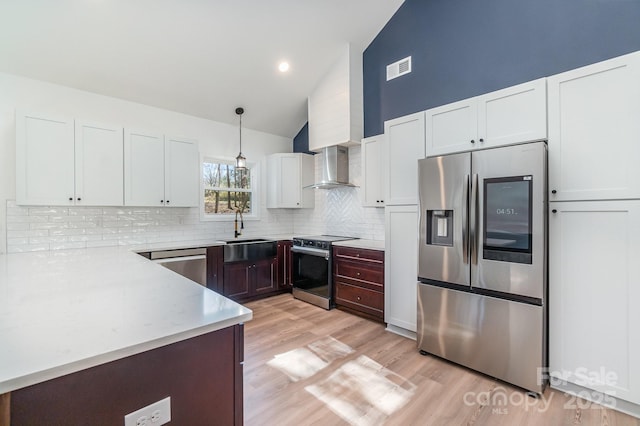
(360, 299)
(361, 271)
(375, 256)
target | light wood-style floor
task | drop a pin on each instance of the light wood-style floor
(307, 366)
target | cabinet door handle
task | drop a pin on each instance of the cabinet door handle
(554, 211)
(473, 141)
(553, 191)
(358, 274)
(481, 140)
(79, 199)
(358, 298)
(70, 198)
(167, 201)
(161, 201)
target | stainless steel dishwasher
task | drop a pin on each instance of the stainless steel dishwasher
(190, 263)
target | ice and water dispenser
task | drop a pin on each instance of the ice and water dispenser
(440, 227)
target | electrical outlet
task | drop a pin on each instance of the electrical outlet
(155, 414)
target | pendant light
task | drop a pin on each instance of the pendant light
(241, 161)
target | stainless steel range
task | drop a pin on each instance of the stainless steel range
(312, 269)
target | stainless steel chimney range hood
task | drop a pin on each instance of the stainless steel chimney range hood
(334, 168)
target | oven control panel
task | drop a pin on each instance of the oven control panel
(322, 245)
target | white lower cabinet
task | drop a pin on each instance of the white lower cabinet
(401, 266)
(594, 294)
(160, 171)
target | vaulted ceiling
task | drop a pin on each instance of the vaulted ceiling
(198, 57)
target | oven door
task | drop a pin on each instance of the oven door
(311, 271)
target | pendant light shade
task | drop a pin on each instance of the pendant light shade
(241, 161)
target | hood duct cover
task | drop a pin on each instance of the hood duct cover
(334, 168)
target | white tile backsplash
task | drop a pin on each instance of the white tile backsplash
(339, 211)
(55, 228)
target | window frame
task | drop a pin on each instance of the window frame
(254, 170)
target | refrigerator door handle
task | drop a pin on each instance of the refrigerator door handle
(465, 220)
(474, 220)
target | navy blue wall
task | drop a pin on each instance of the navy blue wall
(464, 48)
(301, 140)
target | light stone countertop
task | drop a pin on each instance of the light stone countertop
(363, 244)
(67, 310)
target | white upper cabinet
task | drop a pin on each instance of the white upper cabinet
(594, 131)
(181, 172)
(54, 167)
(44, 160)
(374, 171)
(287, 176)
(512, 115)
(160, 172)
(404, 147)
(452, 127)
(143, 169)
(99, 165)
(335, 108)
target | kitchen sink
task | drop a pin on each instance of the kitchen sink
(255, 240)
(249, 250)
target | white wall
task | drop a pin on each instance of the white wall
(215, 139)
(337, 211)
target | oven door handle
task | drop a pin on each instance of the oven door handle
(311, 251)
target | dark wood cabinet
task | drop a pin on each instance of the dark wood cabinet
(236, 280)
(358, 278)
(202, 375)
(248, 280)
(284, 265)
(215, 259)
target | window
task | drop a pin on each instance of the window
(227, 190)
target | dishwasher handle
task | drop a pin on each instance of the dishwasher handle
(179, 259)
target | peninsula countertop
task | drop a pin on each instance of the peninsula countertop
(67, 310)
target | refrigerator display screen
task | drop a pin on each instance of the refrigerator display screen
(507, 219)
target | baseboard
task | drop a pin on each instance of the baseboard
(402, 331)
(598, 397)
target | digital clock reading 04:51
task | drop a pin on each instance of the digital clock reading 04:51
(507, 211)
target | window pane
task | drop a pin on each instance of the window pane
(220, 179)
(224, 175)
(226, 202)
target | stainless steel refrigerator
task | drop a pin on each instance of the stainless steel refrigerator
(482, 268)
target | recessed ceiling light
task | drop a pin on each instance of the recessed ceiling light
(283, 66)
